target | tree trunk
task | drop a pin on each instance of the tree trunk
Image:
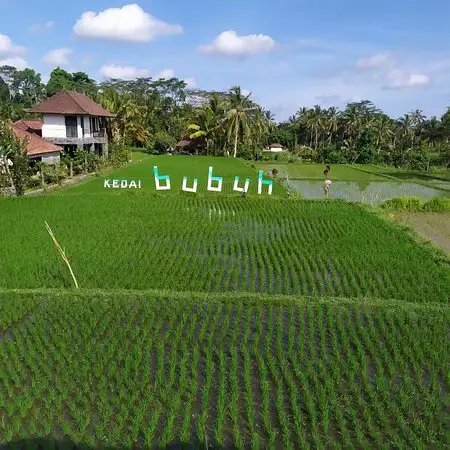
(236, 141)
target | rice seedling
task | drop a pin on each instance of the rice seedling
(224, 370)
(265, 246)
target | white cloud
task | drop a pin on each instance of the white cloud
(399, 79)
(58, 57)
(229, 43)
(123, 72)
(383, 68)
(376, 61)
(166, 73)
(8, 48)
(190, 83)
(15, 61)
(129, 23)
(132, 72)
(41, 27)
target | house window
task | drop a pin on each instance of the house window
(82, 126)
(71, 127)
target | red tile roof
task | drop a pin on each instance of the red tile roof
(68, 102)
(276, 146)
(35, 144)
(29, 125)
(183, 143)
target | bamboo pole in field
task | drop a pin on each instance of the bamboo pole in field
(62, 253)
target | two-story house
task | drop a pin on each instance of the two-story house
(72, 120)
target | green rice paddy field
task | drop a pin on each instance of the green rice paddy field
(215, 245)
(315, 171)
(217, 321)
(177, 167)
(149, 370)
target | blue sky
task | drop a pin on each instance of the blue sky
(289, 53)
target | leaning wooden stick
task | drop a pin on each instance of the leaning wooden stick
(62, 253)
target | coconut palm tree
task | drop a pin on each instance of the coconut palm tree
(239, 114)
(331, 123)
(406, 128)
(205, 127)
(130, 116)
(315, 122)
(384, 133)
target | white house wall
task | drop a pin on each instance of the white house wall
(50, 158)
(53, 126)
(274, 150)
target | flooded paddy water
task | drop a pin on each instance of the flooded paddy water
(370, 192)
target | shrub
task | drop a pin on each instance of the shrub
(437, 204)
(282, 157)
(53, 174)
(119, 154)
(163, 141)
(412, 204)
(305, 152)
(34, 181)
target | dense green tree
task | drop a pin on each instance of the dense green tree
(59, 80)
(7, 74)
(4, 91)
(82, 83)
(27, 88)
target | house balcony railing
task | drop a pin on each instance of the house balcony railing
(92, 139)
(98, 133)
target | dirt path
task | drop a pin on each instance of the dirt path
(433, 226)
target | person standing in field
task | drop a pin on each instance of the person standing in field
(327, 183)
